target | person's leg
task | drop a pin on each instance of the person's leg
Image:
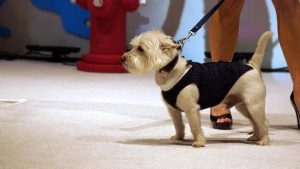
(222, 34)
(288, 18)
(223, 30)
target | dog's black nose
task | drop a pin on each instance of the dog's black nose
(123, 59)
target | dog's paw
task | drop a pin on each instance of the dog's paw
(199, 143)
(264, 141)
(253, 138)
(177, 137)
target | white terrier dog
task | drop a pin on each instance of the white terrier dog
(188, 86)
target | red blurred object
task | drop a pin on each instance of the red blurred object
(108, 35)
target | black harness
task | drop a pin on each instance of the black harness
(214, 80)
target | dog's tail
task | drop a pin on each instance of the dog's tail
(257, 57)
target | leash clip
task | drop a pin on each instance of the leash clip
(182, 41)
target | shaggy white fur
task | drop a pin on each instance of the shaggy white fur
(153, 50)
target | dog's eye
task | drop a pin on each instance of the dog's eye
(140, 49)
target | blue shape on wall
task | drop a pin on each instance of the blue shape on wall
(4, 32)
(73, 17)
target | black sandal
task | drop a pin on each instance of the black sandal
(296, 110)
(221, 126)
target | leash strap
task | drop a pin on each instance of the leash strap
(202, 21)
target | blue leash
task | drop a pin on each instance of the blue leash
(202, 21)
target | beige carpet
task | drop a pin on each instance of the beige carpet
(79, 120)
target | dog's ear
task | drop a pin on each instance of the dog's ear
(165, 46)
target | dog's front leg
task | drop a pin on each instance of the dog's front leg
(193, 117)
(187, 101)
(178, 123)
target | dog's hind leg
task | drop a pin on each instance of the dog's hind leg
(255, 113)
(253, 96)
(242, 108)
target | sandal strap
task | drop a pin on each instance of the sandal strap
(215, 118)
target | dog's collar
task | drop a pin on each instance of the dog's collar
(169, 67)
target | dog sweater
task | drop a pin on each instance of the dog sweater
(214, 80)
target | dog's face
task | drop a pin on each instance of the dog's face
(150, 51)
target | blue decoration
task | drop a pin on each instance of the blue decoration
(73, 16)
(4, 32)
